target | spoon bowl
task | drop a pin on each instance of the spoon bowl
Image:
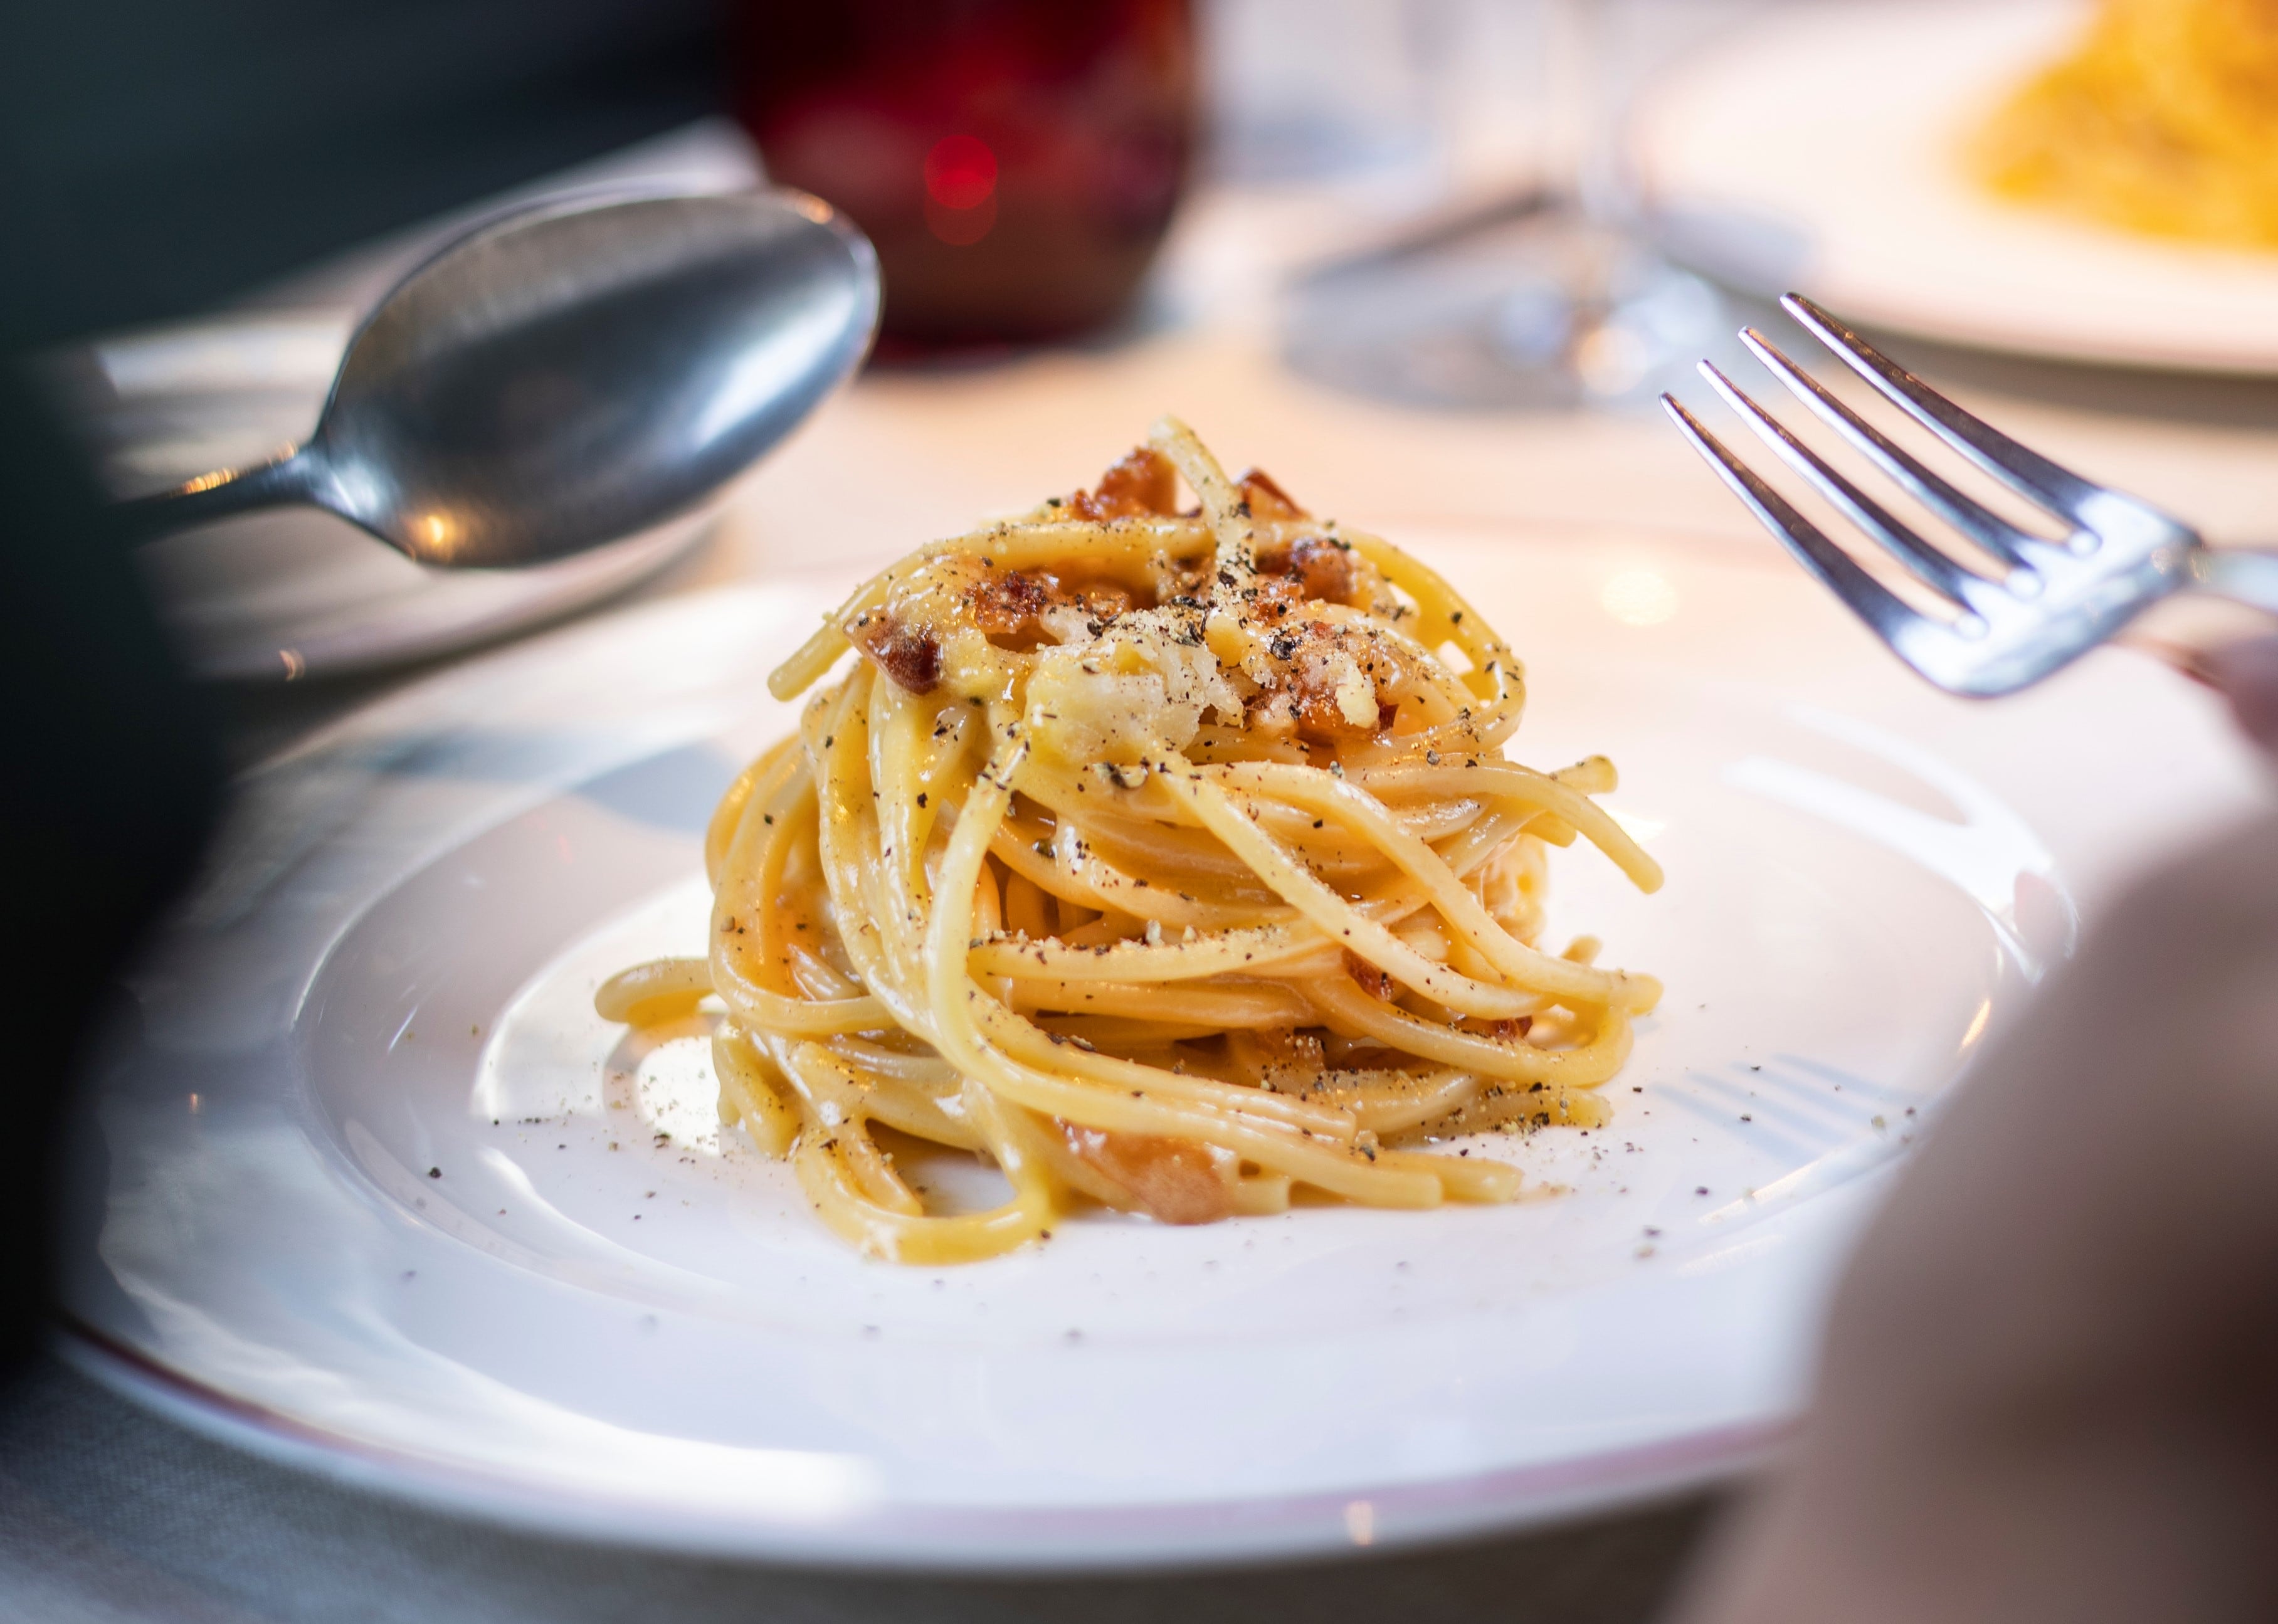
(569, 374)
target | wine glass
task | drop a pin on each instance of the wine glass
(1556, 299)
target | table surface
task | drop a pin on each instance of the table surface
(107, 1514)
(913, 453)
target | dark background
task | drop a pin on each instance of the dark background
(158, 158)
(164, 154)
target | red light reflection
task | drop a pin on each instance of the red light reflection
(960, 172)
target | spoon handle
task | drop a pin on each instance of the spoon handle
(286, 479)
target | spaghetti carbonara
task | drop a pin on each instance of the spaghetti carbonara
(2164, 120)
(1167, 859)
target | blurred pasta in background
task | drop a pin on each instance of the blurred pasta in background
(2164, 120)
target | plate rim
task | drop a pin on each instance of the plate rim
(1187, 1535)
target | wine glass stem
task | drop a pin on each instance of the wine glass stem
(1582, 163)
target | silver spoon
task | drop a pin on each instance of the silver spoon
(569, 374)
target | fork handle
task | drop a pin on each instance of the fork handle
(2241, 575)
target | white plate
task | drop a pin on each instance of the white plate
(373, 1190)
(1818, 151)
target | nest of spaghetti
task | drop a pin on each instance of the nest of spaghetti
(1164, 856)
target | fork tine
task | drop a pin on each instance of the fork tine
(1996, 535)
(2026, 472)
(1933, 568)
(1866, 597)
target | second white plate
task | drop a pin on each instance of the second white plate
(1821, 151)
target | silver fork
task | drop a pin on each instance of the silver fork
(2049, 604)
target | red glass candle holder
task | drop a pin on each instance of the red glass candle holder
(1016, 162)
